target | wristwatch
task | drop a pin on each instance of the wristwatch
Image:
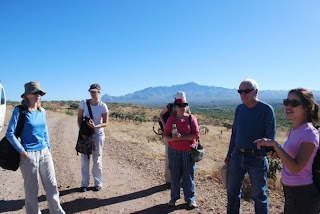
(278, 147)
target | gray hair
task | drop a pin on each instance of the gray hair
(251, 82)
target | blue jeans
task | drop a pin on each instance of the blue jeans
(257, 168)
(182, 167)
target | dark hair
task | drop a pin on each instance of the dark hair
(308, 102)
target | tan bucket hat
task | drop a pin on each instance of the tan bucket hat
(32, 87)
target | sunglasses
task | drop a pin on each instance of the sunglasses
(182, 105)
(246, 91)
(293, 103)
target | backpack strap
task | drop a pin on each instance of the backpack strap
(21, 120)
(89, 108)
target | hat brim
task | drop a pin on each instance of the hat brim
(42, 93)
(180, 101)
(94, 89)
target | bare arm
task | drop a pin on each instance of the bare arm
(163, 112)
(295, 165)
(80, 116)
(101, 125)
(181, 137)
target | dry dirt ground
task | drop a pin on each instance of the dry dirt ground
(133, 181)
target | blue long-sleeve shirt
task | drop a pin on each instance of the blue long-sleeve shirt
(250, 124)
(34, 135)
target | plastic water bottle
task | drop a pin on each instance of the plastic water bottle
(174, 130)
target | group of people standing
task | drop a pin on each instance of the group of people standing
(34, 148)
(252, 139)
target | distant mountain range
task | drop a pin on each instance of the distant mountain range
(199, 95)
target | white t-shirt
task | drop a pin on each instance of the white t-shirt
(97, 111)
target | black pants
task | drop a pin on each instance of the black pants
(301, 199)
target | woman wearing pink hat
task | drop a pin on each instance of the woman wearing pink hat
(164, 115)
(182, 131)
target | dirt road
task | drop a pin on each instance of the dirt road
(126, 188)
(133, 183)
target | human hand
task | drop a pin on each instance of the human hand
(265, 142)
(227, 161)
(23, 155)
(91, 124)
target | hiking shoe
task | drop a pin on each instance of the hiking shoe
(172, 203)
(97, 188)
(193, 204)
(83, 189)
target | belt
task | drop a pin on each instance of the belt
(250, 151)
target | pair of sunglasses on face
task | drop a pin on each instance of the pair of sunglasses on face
(293, 103)
(36, 93)
(182, 105)
(246, 91)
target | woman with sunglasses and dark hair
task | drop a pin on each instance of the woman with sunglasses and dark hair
(297, 155)
(181, 132)
(35, 156)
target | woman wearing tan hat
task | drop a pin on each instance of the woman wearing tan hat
(98, 122)
(35, 157)
(181, 131)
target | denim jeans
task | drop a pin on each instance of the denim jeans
(257, 167)
(182, 167)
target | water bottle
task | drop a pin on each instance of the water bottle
(174, 130)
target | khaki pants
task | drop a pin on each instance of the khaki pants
(167, 174)
(40, 163)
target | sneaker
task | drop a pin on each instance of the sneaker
(172, 203)
(83, 189)
(193, 204)
(97, 188)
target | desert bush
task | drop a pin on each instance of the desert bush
(71, 113)
(274, 166)
(74, 105)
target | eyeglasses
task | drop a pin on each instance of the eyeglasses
(246, 91)
(293, 103)
(36, 93)
(182, 105)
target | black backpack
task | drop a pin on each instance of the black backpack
(85, 142)
(316, 170)
(9, 156)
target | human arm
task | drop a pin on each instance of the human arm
(101, 125)
(80, 116)
(296, 164)
(46, 133)
(162, 113)
(193, 133)
(10, 134)
(232, 139)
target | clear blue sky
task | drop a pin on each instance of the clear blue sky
(129, 45)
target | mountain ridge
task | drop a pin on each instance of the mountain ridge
(196, 94)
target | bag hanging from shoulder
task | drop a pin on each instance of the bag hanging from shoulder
(197, 153)
(9, 157)
(85, 141)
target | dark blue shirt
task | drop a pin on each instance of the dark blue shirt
(250, 124)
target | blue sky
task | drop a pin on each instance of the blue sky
(129, 45)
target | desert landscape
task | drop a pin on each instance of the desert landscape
(133, 165)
